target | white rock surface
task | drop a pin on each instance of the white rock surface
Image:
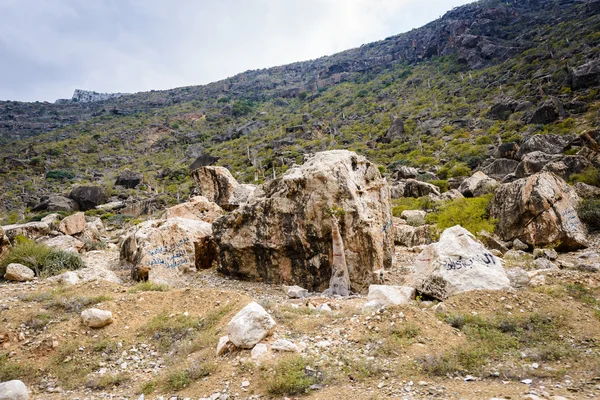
(13, 390)
(284, 345)
(65, 242)
(458, 263)
(295, 292)
(96, 318)
(249, 326)
(259, 352)
(198, 208)
(390, 295)
(19, 273)
(72, 224)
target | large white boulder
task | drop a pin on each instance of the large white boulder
(13, 390)
(19, 273)
(96, 318)
(249, 326)
(458, 263)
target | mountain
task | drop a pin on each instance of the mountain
(440, 98)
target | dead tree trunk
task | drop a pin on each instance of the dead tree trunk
(340, 279)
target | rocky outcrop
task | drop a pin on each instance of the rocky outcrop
(545, 113)
(169, 248)
(129, 179)
(219, 186)
(586, 191)
(549, 144)
(65, 242)
(567, 165)
(539, 211)
(31, 230)
(499, 168)
(508, 150)
(57, 203)
(532, 163)
(586, 75)
(89, 197)
(477, 185)
(283, 234)
(198, 208)
(415, 188)
(456, 264)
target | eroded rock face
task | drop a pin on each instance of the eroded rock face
(198, 208)
(456, 264)
(72, 224)
(283, 234)
(539, 211)
(216, 184)
(170, 248)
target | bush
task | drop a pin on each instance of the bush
(441, 184)
(471, 214)
(410, 203)
(289, 377)
(43, 260)
(59, 175)
(590, 175)
(589, 213)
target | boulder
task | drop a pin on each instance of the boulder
(169, 248)
(52, 220)
(586, 75)
(19, 273)
(415, 188)
(65, 242)
(241, 194)
(129, 179)
(96, 318)
(68, 278)
(13, 390)
(411, 236)
(295, 292)
(198, 208)
(284, 234)
(545, 113)
(396, 130)
(414, 217)
(477, 185)
(31, 230)
(385, 295)
(567, 166)
(216, 184)
(285, 345)
(73, 224)
(451, 195)
(519, 245)
(57, 203)
(88, 274)
(89, 197)
(539, 211)
(492, 242)
(502, 109)
(533, 163)
(508, 150)
(586, 191)
(404, 172)
(548, 143)
(249, 326)
(499, 168)
(458, 263)
(397, 190)
(518, 277)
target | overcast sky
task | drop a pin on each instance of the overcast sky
(48, 48)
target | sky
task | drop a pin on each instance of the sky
(49, 48)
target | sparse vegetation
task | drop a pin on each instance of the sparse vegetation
(289, 377)
(148, 287)
(471, 213)
(589, 212)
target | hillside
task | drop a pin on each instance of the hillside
(487, 73)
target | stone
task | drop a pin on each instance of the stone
(549, 254)
(170, 248)
(68, 278)
(259, 352)
(518, 245)
(414, 217)
(568, 165)
(477, 185)
(96, 318)
(73, 224)
(501, 110)
(57, 203)
(31, 230)
(410, 236)
(545, 113)
(88, 274)
(542, 263)
(19, 273)
(390, 295)
(518, 277)
(13, 390)
(440, 308)
(396, 130)
(241, 195)
(586, 75)
(539, 211)
(451, 194)
(546, 143)
(198, 208)
(52, 220)
(492, 242)
(324, 308)
(500, 168)
(65, 242)
(532, 163)
(586, 191)
(284, 345)
(129, 179)
(295, 292)
(284, 234)
(397, 190)
(404, 172)
(249, 326)
(415, 188)
(457, 263)
(507, 151)
(89, 197)
(216, 184)
(224, 346)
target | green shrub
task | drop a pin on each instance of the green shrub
(590, 175)
(441, 184)
(289, 377)
(471, 214)
(589, 213)
(411, 203)
(59, 174)
(43, 260)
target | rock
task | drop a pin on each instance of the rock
(198, 208)
(72, 224)
(492, 243)
(19, 273)
(397, 190)
(414, 188)
(13, 390)
(396, 130)
(96, 318)
(502, 109)
(404, 172)
(518, 277)
(548, 254)
(169, 248)
(414, 217)
(586, 75)
(240, 196)
(518, 245)
(284, 345)
(477, 185)
(57, 203)
(224, 346)
(542, 263)
(507, 151)
(546, 143)
(283, 235)
(567, 166)
(386, 295)
(410, 236)
(259, 352)
(31, 230)
(295, 292)
(324, 308)
(539, 211)
(65, 242)
(87, 274)
(586, 191)
(533, 163)
(88, 197)
(216, 184)
(67, 278)
(451, 194)
(52, 220)
(249, 326)
(439, 308)
(129, 179)
(544, 114)
(456, 264)
(500, 168)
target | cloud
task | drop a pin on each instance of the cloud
(50, 47)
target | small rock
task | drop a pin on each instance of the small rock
(19, 273)
(549, 254)
(324, 308)
(519, 245)
(284, 345)
(259, 352)
(249, 326)
(295, 292)
(225, 346)
(391, 295)
(96, 318)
